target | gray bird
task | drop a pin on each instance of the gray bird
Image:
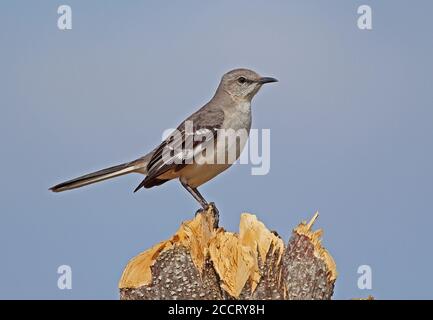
(230, 108)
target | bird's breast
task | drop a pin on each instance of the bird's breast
(238, 117)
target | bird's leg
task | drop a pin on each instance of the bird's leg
(197, 196)
(202, 201)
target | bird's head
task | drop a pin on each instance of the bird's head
(243, 84)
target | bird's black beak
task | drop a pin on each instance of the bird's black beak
(264, 80)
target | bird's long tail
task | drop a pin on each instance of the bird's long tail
(138, 165)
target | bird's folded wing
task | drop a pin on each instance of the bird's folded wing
(180, 148)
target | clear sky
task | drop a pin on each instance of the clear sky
(351, 125)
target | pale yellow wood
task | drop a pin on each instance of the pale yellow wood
(235, 257)
(316, 239)
(193, 234)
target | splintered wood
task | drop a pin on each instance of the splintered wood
(200, 262)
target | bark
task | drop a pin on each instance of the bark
(203, 262)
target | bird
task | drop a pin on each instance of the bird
(229, 109)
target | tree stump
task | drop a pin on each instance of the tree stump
(204, 262)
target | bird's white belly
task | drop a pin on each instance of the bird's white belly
(197, 174)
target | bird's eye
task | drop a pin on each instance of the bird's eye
(242, 80)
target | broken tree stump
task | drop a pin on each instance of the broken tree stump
(203, 262)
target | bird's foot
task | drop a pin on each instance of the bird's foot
(215, 212)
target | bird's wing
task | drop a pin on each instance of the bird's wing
(178, 150)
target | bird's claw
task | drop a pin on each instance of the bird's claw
(215, 212)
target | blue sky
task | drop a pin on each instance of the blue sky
(351, 133)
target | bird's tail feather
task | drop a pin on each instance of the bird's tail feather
(104, 174)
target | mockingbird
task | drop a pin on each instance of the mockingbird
(230, 108)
